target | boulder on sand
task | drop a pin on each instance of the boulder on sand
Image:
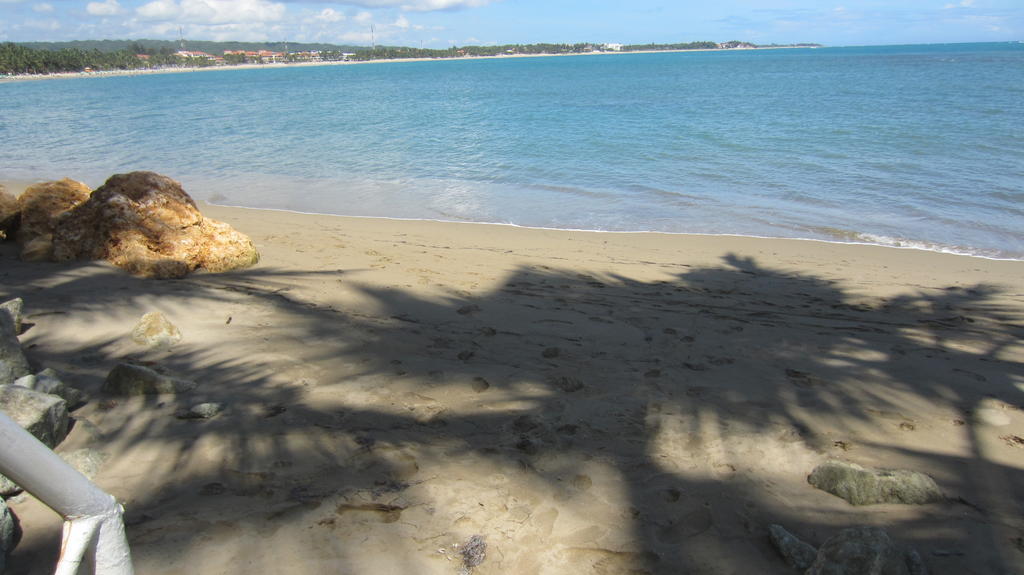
(8, 213)
(44, 416)
(146, 224)
(40, 206)
(859, 551)
(155, 331)
(13, 363)
(861, 486)
(8, 533)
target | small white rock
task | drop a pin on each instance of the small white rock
(155, 331)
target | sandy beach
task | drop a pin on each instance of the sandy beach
(585, 402)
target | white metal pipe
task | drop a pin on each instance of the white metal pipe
(93, 525)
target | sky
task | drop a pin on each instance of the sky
(445, 23)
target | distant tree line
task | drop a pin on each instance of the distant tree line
(78, 56)
(396, 52)
(660, 47)
(148, 46)
(18, 59)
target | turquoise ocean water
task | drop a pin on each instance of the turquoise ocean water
(919, 146)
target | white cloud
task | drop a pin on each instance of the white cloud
(363, 17)
(43, 8)
(48, 25)
(330, 15)
(434, 5)
(417, 5)
(105, 8)
(356, 37)
(159, 10)
(213, 12)
(962, 4)
(402, 22)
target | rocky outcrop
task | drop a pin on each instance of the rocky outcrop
(13, 310)
(49, 382)
(861, 486)
(155, 331)
(798, 555)
(44, 416)
(8, 213)
(40, 206)
(853, 551)
(859, 551)
(8, 528)
(12, 360)
(146, 224)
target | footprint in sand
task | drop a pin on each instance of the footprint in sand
(582, 482)
(803, 379)
(371, 512)
(601, 561)
(480, 384)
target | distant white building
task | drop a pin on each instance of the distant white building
(613, 47)
(193, 54)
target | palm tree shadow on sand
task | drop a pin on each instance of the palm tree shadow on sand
(580, 423)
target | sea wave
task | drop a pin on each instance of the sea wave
(855, 237)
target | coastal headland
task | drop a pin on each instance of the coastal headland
(581, 402)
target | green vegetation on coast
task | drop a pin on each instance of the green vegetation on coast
(105, 55)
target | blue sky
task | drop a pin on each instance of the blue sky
(443, 23)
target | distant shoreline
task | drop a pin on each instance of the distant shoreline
(180, 70)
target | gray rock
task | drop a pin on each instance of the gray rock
(798, 555)
(86, 461)
(44, 416)
(201, 411)
(10, 216)
(155, 331)
(130, 379)
(12, 360)
(8, 528)
(48, 381)
(13, 309)
(859, 551)
(861, 486)
(8, 488)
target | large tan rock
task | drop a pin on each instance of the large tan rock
(146, 224)
(8, 213)
(40, 206)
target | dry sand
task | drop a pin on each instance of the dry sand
(585, 402)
